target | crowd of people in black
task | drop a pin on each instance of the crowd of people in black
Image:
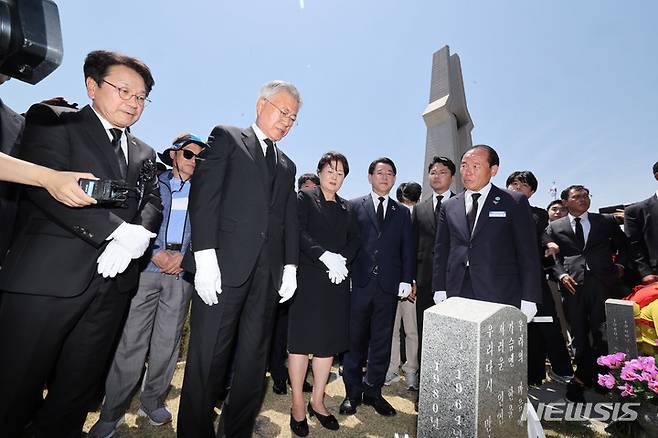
(92, 291)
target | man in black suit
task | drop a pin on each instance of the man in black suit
(544, 338)
(486, 245)
(641, 227)
(382, 273)
(424, 217)
(67, 275)
(585, 268)
(245, 248)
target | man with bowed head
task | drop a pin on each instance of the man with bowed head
(245, 248)
(486, 244)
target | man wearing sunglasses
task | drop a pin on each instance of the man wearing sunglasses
(158, 309)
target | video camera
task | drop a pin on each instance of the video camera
(30, 39)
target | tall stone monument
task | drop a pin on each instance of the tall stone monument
(448, 122)
(620, 327)
(473, 381)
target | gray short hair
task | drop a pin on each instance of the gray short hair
(273, 87)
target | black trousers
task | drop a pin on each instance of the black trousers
(545, 340)
(244, 314)
(586, 313)
(279, 349)
(424, 300)
(372, 316)
(66, 342)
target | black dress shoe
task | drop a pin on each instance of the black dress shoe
(279, 387)
(327, 421)
(575, 392)
(299, 428)
(380, 404)
(307, 387)
(348, 406)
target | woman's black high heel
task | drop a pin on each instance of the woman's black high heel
(327, 421)
(299, 428)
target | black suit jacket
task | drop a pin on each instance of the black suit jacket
(502, 251)
(387, 253)
(55, 251)
(424, 226)
(11, 127)
(234, 210)
(318, 234)
(605, 239)
(641, 227)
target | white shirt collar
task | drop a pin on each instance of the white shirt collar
(583, 217)
(375, 198)
(260, 135)
(484, 191)
(107, 125)
(445, 195)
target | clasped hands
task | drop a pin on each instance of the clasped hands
(127, 242)
(336, 265)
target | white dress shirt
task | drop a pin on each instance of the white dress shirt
(261, 139)
(375, 201)
(584, 221)
(445, 195)
(107, 125)
(468, 200)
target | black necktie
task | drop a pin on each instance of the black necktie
(472, 214)
(580, 235)
(437, 209)
(380, 211)
(116, 145)
(270, 159)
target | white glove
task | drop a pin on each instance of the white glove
(335, 262)
(208, 279)
(114, 260)
(288, 283)
(133, 238)
(404, 290)
(440, 296)
(335, 277)
(529, 309)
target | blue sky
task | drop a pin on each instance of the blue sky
(567, 89)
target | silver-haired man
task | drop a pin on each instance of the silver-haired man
(245, 244)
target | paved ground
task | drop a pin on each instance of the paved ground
(275, 414)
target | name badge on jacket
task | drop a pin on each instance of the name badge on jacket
(497, 214)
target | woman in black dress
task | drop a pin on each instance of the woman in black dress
(319, 313)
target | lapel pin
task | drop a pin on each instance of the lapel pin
(496, 200)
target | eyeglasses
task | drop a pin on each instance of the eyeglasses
(125, 94)
(188, 154)
(284, 114)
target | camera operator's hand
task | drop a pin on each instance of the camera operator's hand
(114, 260)
(64, 187)
(133, 238)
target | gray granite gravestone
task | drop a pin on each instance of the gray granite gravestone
(474, 371)
(620, 327)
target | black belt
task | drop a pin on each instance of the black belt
(174, 247)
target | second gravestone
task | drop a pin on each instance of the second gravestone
(620, 324)
(474, 371)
